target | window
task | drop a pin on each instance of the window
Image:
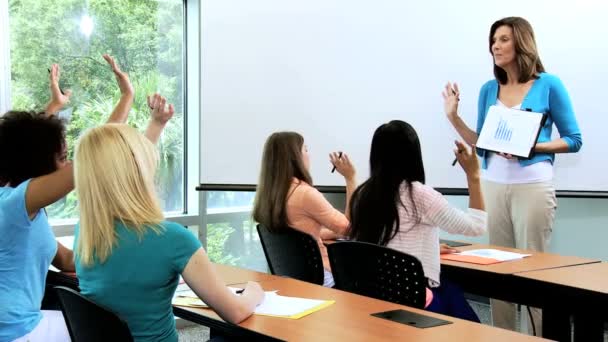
(147, 40)
(231, 235)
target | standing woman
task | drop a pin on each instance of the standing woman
(519, 193)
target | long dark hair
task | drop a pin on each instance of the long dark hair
(281, 162)
(526, 52)
(395, 158)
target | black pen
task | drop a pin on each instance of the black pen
(239, 291)
(455, 159)
(339, 156)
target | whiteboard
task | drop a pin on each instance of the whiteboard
(334, 70)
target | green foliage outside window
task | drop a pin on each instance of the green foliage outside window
(145, 37)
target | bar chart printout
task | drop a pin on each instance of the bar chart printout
(503, 132)
(510, 131)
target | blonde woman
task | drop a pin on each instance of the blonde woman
(128, 259)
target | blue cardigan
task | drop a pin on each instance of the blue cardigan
(547, 95)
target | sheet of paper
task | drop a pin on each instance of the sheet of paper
(273, 304)
(277, 305)
(509, 130)
(494, 254)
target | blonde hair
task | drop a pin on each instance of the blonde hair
(114, 169)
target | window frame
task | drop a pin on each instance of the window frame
(191, 59)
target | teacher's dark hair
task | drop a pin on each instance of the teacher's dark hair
(526, 52)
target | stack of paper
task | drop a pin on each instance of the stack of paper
(484, 256)
(273, 304)
(289, 307)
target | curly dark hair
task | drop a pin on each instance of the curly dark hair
(30, 143)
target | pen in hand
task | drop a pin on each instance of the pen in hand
(334, 168)
(457, 99)
(456, 159)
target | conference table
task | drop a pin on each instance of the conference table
(579, 291)
(548, 281)
(348, 319)
(498, 280)
(508, 281)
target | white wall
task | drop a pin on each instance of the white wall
(581, 227)
(336, 69)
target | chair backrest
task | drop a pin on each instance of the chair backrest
(379, 272)
(88, 321)
(293, 254)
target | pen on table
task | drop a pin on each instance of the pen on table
(240, 291)
(334, 168)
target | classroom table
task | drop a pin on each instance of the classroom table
(500, 281)
(348, 319)
(579, 291)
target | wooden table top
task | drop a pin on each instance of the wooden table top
(536, 261)
(348, 319)
(591, 277)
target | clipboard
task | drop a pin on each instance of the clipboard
(454, 243)
(511, 131)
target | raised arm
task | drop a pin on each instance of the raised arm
(470, 164)
(159, 116)
(122, 108)
(347, 170)
(451, 97)
(450, 219)
(48, 189)
(58, 98)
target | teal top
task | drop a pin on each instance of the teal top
(547, 95)
(138, 280)
(27, 248)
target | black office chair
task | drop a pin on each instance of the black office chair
(379, 272)
(88, 321)
(293, 254)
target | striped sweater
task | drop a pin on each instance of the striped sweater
(419, 229)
